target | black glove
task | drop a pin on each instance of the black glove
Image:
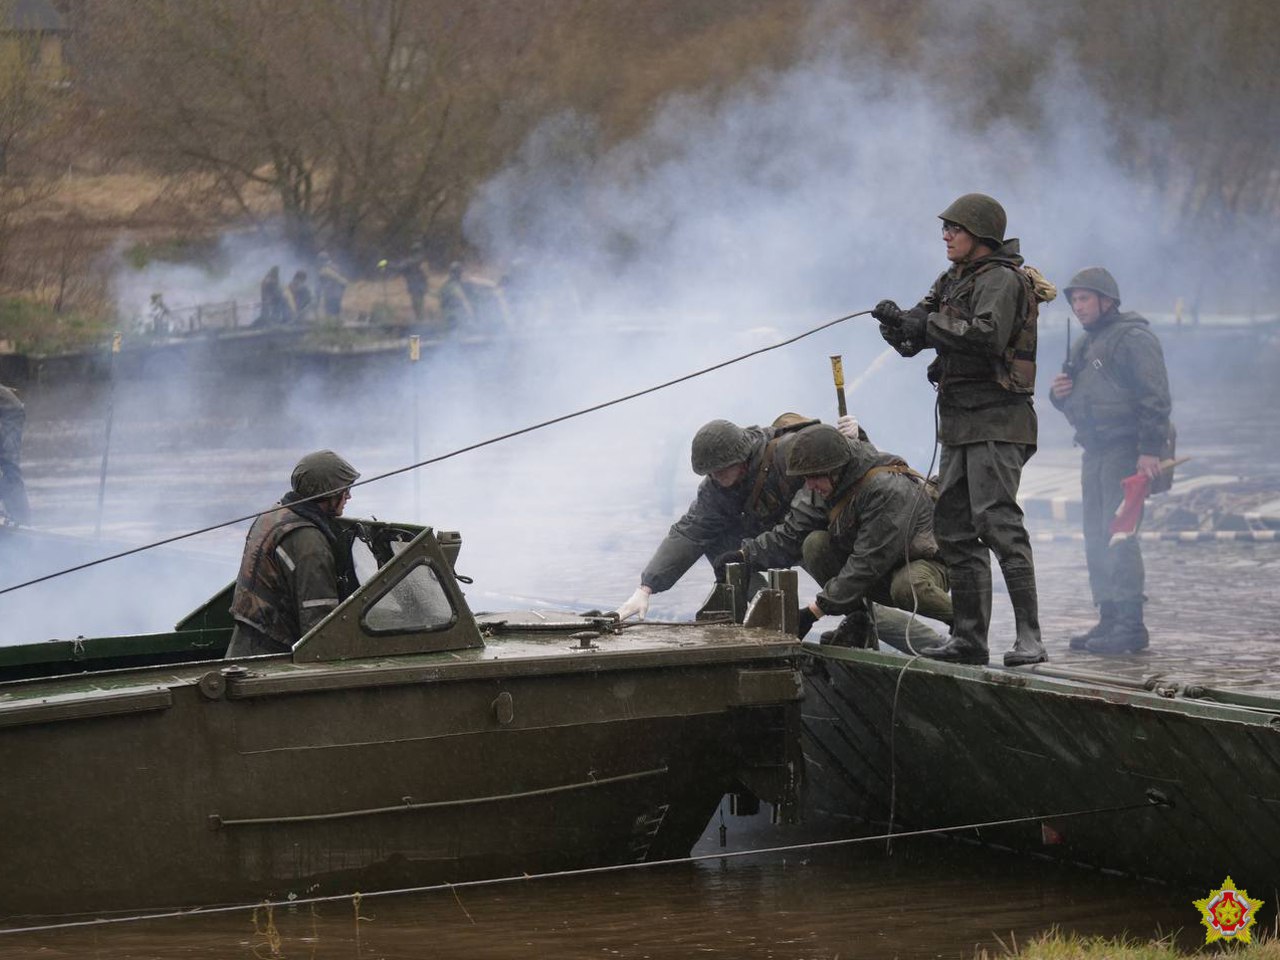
(911, 327)
(729, 556)
(805, 620)
(888, 313)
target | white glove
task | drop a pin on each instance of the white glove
(848, 425)
(637, 605)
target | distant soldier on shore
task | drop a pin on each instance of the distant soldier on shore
(160, 315)
(13, 490)
(1114, 391)
(332, 287)
(275, 309)
(412, 267)
(301, 301)
(455, 303)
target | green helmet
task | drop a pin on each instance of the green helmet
(322, 472)
(818, 449)
(1097, 279)
(717, 445)
(980, 215)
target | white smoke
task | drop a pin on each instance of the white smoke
(729, 223)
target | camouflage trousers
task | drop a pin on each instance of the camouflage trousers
(1116, 572)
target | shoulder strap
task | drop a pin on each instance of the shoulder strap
(766, 466)
(837, 509)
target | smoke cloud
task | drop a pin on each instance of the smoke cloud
(733, 221)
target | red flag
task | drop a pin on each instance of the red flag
(1125, 522)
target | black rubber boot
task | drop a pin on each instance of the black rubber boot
(971, 606)
(857, 629)
(1106, 619)
(1127, 635)
(1027, 647)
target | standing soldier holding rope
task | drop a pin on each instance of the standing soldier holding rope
(980, 317)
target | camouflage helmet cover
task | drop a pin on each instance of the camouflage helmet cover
(980, 214)
(818, 449)
(1097, 279)
(717, 445)
(321, 472)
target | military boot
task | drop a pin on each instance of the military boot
(971, 615)
(858, 629)
(1127, 635)
(1027, 647)
(1106, 619)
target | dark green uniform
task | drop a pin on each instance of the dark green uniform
(719, 519)
(13, 490)
(289, 579)
(872, 540)
(1119, 406)
(980, 318)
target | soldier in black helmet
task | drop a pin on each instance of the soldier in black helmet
(863, 530)
(292, 574)
(1115, 392)
(980, 317)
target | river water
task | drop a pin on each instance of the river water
(567, 518)
(927, 899)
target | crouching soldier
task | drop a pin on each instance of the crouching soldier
(745, 491)
(865, 533)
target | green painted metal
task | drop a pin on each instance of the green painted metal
(943, 744)
(372, 761)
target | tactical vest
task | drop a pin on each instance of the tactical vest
(767, 503)
(262, 597)
(1101, 402)
(1015, 369)
(840, 519)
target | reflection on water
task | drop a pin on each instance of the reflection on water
(928, 899)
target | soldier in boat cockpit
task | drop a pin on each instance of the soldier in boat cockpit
(293, 573)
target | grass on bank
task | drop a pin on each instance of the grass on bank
(1056, 945)
(34, 328)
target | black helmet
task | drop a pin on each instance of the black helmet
(818, 449)
(717, 445)
(322, 472)
(980, 215)
(1097, 279)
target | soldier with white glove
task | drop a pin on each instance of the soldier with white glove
(637, 605)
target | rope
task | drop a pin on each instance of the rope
(581, 872)
(451, 454)
(915, 654)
